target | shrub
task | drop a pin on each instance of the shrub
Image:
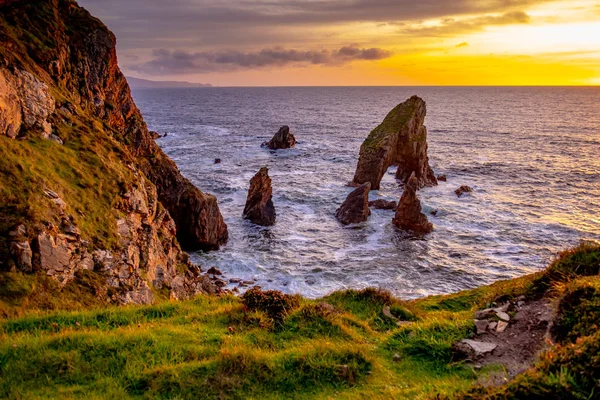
(272, 302)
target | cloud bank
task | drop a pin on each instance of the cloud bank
(181, 62)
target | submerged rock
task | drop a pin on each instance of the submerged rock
(408, 215)
(259, 205)
(356, 207)
(381, 204)
(462, 190)
(283, 139)
(400, 140)
(442, 178)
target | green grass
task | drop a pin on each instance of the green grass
(271, 346)
(392, 123)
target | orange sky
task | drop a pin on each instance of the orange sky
(465, 42)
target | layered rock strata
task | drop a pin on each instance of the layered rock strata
(100, 195)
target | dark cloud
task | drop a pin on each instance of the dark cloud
(157, 23)
(181, 62)
(450, 26)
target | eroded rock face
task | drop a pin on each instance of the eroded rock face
(408, 215)
(26, 102)
(400, 140)
(259, 205)
(356, 207)
(83, 62)
(283, 139)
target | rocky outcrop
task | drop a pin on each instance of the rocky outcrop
(147, 256)
(356, 207)
(81, 62)
(259, 205)
(117, 204)
(462, 190)
(408, 215)
(283, 139)
(25, 104)
(400, 140)
(381, 204)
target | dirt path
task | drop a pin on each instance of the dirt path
(517, 347)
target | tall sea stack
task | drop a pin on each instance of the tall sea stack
(400, 140)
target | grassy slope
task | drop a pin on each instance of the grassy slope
(187, 349)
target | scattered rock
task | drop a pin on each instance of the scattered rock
(355, 208)
(434, 212)
(487, 313)
(492, 326)
(55, 138)
(51, 194)
(408, 215)
(283, 139)
(501, 327)
(217, 161)
(481, 326)
(503, 316)
(442, 178)
(381, 204)
(214, 271)
(400, 140)
(259, 205)
(462, 190)
(155, 135)
(235, 280)
(480, 348)
(18, 231)
(397, 357)
(22, 254)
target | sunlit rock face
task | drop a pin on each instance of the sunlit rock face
(60, 80)
(401, 139)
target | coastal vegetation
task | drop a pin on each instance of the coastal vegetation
(272, 345)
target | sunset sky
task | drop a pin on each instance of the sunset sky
(357, 42)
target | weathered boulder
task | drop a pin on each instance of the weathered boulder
(356, 207)
(381, 204)
(400, 140)
(408, 215)
(462, 190)
(283, 139)
(259, 205)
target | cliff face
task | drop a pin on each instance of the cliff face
(401, 139)
(84, 186)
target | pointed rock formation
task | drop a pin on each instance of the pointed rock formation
(408, 215)
(283, 139)
(356, 207)
(259, 205)
(400, 140)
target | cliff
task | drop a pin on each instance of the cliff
(401, 139)
(84, 187)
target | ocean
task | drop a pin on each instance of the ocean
(532, 156)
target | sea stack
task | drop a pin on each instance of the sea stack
(356, 207)
(259, 205)
(400, 140)
(408, 215)
(283, 139)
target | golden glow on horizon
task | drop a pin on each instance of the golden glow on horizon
(555, 43)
